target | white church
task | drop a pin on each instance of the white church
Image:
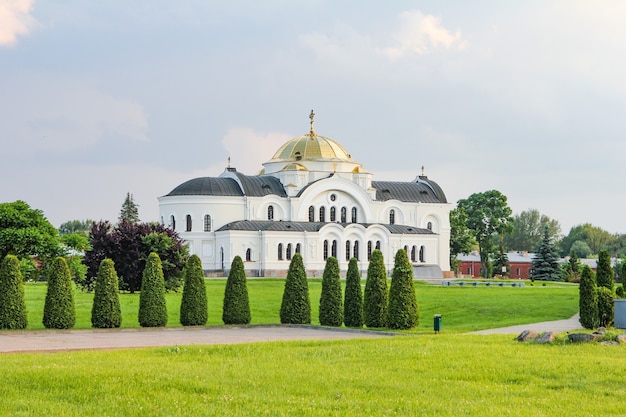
(310, 198)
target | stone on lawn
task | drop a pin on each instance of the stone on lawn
(545, 337)
(580, 337)
(526, 335)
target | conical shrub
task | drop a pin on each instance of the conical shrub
(59, 311)
(375, 297)
(12, 305)
(236, 304)
(331, 305)
(402, 312)
(588, 299)
(105, 311)
(353, 304)
(152, 307)
(295, 307)
(194, 304)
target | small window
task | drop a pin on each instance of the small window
(369, 250)
(348, 250)
(162, 221)
(173, 222)
(297, 248)
(354, 215)
(344, 214)
(207, 223)
(333, 251)
(422, 254)
(406, 250)
(429, 226)
(311, 214)
(188, 218)
(413, 252)
(323, 214)
(333, 214)
(270, 213)
(325, 249)
(355, 250)
(378, 244)
(280, 251)
(289, 251)
(248, 254)
(392, 216)
(298, 156)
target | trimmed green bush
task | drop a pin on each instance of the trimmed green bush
(105, 311)
(353, 304)
(605, 276)
(236, 303)
(588, 299)
(606, 308)
(402, 312)
(152, 307)
(375, 297)
(59, 311)
(331, 305)
(295, 307)
(12, 306)
(619, 291)
(194, 305)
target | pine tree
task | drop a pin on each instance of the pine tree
(105, 311)
(604, 272)
(295, 307)
(545, 266)
(12, 305)
(606, 309)
(236, 303)
(130, 210)
(588, 299)
(331, 306)
(353, 305)
(59, 311)
(194, 304)
(152, 307)
(375, 297)
(402, 312)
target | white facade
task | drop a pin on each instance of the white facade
(314, 199)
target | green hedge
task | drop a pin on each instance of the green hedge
(588, 299)
(353, 304)
(375, 298)
(402, 312)
(236, 303)
(331, 305)
(194, 304)
(606, 308)
(59, 311)
(152, 307)
(12, 305)
(295, 307)
(106, 312)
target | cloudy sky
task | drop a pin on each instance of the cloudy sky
(101, 98)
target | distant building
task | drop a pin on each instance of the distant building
(312, 198)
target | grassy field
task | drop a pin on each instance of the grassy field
(463, 308)
(435, 375)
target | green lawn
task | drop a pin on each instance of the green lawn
(463, 308)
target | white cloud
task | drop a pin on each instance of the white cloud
(15, 20)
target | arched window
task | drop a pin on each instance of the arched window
(378, 244)
(344, 215)
(333, 250)
(297, 248)
(413, 251)
(348, 250)
(323, 214)
(369, 250)
(429, 226)
(406, 249)
(270, 213)
(422, 254)
(311, 214)
(354, 215)
(333, 214)
(355, 250)
(222, 256)
(288, 251)
(248, 254)
(188, 218)
(325, 249)
(162, 221)
(207, 222)
(280, 251)
(392, 216)
(173, 222)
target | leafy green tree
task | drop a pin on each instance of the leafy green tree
(194, 304)
(13, 313)
(152, 307)
(331, 306)
(588, 299)
(295, 307)
(79, 227)
(59, 310)
(461, 239)
(488, 216)
(528, 229)
(236, 303)
(570, 270)
(581, 249)
(501, 264)
(105, 311)
(595, 237)
(618, 246)
(604, 272)
(402, 312)
(130, 210)
(375, 297)
(606, 309)
(353, 305)
(545, 264)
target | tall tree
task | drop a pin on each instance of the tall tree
(588, 299)
(236, 303)
(331, 306)
(595, 237)
(59, 310)
(295, 307)
(353, 304)
(152, 306)
(194, 304)
(402, 312)
(105, 311)
(545, 264)
(461, 239)
(376, 296)
(13, 313)
(488, 216)
(81, 227)
(605, 276)
(130, 210)
(528, 227)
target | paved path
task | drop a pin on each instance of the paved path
(60, 340)
(546, 326)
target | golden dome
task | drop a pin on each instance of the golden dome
(312, 147)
